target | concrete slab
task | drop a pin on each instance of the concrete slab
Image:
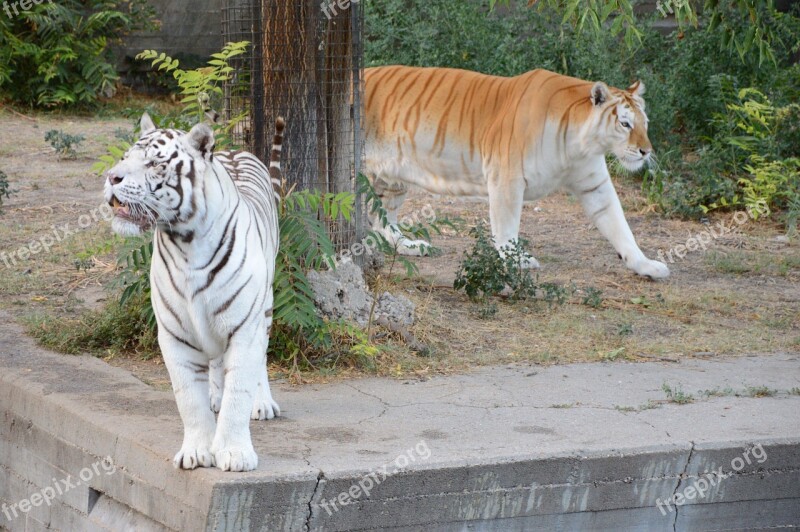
(592, 446)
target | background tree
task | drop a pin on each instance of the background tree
(594, 14)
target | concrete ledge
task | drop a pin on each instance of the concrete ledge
(511, 448)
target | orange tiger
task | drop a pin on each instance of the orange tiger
(516, 139)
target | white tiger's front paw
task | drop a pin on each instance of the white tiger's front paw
(237, 458)
(265, 407)
(651, 268)
(192, 456)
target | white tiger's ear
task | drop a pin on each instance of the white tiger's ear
(637, 89)
(146, 124)
(201, 138)
(600, 93)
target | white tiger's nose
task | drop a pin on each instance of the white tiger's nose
(114, 179)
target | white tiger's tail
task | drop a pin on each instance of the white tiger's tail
(275, 173)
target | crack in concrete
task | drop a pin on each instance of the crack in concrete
(677, 486)
(386, 406)
(320, 479)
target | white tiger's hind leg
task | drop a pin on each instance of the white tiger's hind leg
(602, 206)
(505, 211)
(392, 196)
(188, 371)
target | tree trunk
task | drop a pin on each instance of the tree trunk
(309, 77)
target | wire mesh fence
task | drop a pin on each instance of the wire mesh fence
(305, 64)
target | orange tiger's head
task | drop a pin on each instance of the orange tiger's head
(621, 123)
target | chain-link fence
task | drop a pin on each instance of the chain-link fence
(305, 64)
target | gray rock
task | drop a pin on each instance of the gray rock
(343, 293)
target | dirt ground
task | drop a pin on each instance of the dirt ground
(740, 295)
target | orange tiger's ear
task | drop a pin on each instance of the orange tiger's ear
(600, 93)
(637, 89)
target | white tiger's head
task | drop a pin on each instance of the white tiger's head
(621, 123)
(155, 183)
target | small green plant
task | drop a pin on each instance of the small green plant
(759, 391)
(593, 297)
(716, 392)
(624, 329)
(650, 405)
(794, 391)
(645, 302)
(63, 143)
(677, 395)
(487, 310)
(625, 408)
(5, 189)
(613, 354)
(484, 273)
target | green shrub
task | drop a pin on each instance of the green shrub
(63, 143)
(5, 189)
(58, 53)
(484, 273)
(117, 328)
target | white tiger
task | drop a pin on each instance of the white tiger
(512, 140)
(215, 243)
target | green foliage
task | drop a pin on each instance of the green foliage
(201, 93)
(747, 157)
(63, 143)
(483, 272)
(5, 189)
(299, 331)
(599, 16)
(134, 278)
(200, 88)
(59, 53)
(117, 328)
(593, 297)
(677, 395)
(412, 231)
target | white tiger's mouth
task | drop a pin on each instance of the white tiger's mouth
(136, 216)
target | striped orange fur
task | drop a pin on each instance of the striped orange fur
(515, 139)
